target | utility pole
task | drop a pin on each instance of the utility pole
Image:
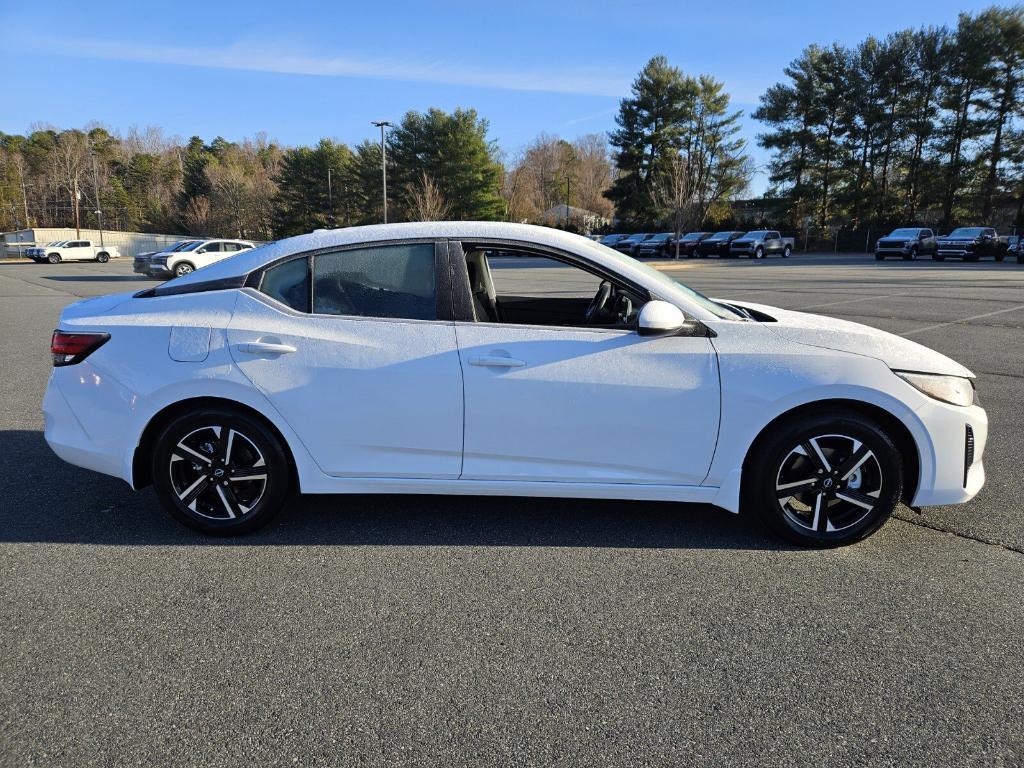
(330, 198)
(78, 197)
(566, 202)
(382, 124)
(96, 188)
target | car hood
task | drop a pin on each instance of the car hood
(819, 331)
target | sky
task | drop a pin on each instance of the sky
(307, 69)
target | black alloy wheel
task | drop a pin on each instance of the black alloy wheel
(220, 472)
(825, 480)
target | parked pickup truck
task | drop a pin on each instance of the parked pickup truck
(970, 244)
(761, 243)
(907, 243)
(72, 250)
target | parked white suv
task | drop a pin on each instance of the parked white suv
(195, 256)
(72, 250)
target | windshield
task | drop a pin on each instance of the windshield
(611, 239)
(192, 245)
(672, 287)
(757, 233)
(180, 245)
(635, 237)
(903, 233)
(663, 236)
(720, 236)
(694, 235)
(967, 232)
(55, 243)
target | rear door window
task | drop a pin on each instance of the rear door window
(392, 281)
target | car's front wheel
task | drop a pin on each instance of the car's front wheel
(220, 471)
(183, 268)
(53, 258)
(824, 480)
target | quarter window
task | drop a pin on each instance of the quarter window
(289, 284)
(384, 281)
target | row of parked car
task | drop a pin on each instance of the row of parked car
(756, 244)
(966, 243)
(187, 256)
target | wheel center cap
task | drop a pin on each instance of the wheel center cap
(218, 472)
(826, 483)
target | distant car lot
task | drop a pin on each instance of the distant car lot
(360, 630)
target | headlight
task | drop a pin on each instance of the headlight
(949, 389)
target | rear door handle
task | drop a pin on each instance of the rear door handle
(495, 361)
(265, 348)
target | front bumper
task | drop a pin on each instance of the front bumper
(948, 475)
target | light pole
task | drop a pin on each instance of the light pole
(382, 124)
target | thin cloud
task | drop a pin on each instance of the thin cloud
(595, 116)
(267, 58)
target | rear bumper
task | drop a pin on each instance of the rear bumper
(68, 438)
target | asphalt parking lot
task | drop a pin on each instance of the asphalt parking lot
(390, 630)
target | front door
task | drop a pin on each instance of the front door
(577, 403)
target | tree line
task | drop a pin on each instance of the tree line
(673, 159)
(921, 127)
(439, 165)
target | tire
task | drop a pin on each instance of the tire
(192, 455)
(1020, 258)
(936, 257)
(53, 258)
(786, 251)
(879, 257)
(853, 505)
(1000, 256)
(102, 258)
(912, 256)
(183, 268)
(972, 258)
(759, 253)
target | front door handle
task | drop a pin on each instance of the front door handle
(496, 361)
(265, 348)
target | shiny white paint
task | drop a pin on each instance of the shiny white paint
(369, 405)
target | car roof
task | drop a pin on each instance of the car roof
(249, 261)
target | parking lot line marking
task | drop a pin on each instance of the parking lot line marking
(962, 320)
(854, 301)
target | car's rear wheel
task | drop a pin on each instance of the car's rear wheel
(220, 471)
(102, 258)
(786, 251)
(824, 480)
(53, 258)
(1000, 256)
(183, 268)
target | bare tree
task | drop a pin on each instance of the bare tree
(673, 192)
(426, 202)
(196, 216)
(69, 159)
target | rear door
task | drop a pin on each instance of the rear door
(347, 346)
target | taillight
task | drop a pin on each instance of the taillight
(71, 348)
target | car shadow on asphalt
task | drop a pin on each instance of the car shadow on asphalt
(45, 500)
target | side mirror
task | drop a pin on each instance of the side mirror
(659, 318)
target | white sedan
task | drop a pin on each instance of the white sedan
(424, 358)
